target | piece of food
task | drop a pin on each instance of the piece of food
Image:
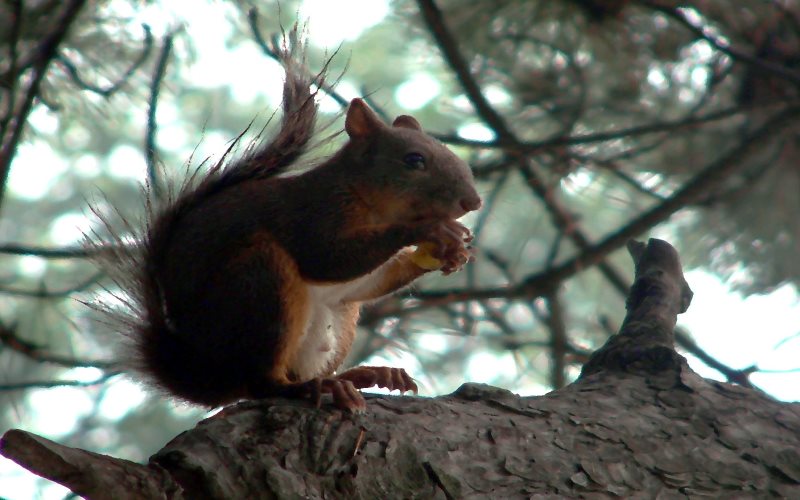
(423, 258)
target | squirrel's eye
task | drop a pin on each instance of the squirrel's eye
(414, 161)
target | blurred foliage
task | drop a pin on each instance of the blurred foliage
(559, 73)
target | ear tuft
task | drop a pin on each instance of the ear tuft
(361, 121)
(406, 121)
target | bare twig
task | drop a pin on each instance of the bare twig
(685, 123)
(702, 32)
(44, 293)
(151, 155)
(559, 343)
(686, 342)
(110, 90)
(447, 43)
(13, 66)
(46, 253)
(49, 384)
(36, 353)
(45, 53)
(329, 89)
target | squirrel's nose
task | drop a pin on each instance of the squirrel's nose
(470, 202)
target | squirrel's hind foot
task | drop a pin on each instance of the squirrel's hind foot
(382, 376)
(345, 395)
(344, 388)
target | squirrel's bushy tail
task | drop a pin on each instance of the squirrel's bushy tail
(297, 126)
(134, 262)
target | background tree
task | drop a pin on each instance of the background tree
(586, 122)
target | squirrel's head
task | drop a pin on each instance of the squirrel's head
(405, 173)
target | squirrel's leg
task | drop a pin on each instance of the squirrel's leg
(393, 275)
(448, 245)
(448, 239)
(262, 307)
(344, 388)
(364, 249)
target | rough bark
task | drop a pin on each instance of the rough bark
(637, 423)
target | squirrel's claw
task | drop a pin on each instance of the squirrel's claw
(382, 376)
(345, 395)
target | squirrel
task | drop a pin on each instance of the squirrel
(248, 283)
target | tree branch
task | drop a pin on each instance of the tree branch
(150, 147)
(37, 353)
(447, 44)
(44, 293)
(110, 90)
(50, 384)
(45, 53)
(688, 122)
(701, 32)
(559, 341)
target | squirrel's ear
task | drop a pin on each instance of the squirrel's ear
(406, 121)
(361, 121)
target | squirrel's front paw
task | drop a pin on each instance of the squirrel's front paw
(445, 247)
(456, 260)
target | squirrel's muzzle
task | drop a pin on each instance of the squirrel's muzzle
(470, 202)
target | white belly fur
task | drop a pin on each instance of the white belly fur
(324, 327)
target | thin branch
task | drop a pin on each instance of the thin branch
(110, 90)
(447, 44)
(559, 343)
(330, 90)
(44, 293)
(693, 191)
(47, 253)
(37, 353)
(687, 122)
(45, 53)
(685, 341)
(152, 126)
(615, 170)
(13, 66)
(702, 32)
(755, 369)
(49, 384)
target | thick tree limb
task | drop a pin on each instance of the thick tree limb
(646, 339)
(638, 422)
(88, 474)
